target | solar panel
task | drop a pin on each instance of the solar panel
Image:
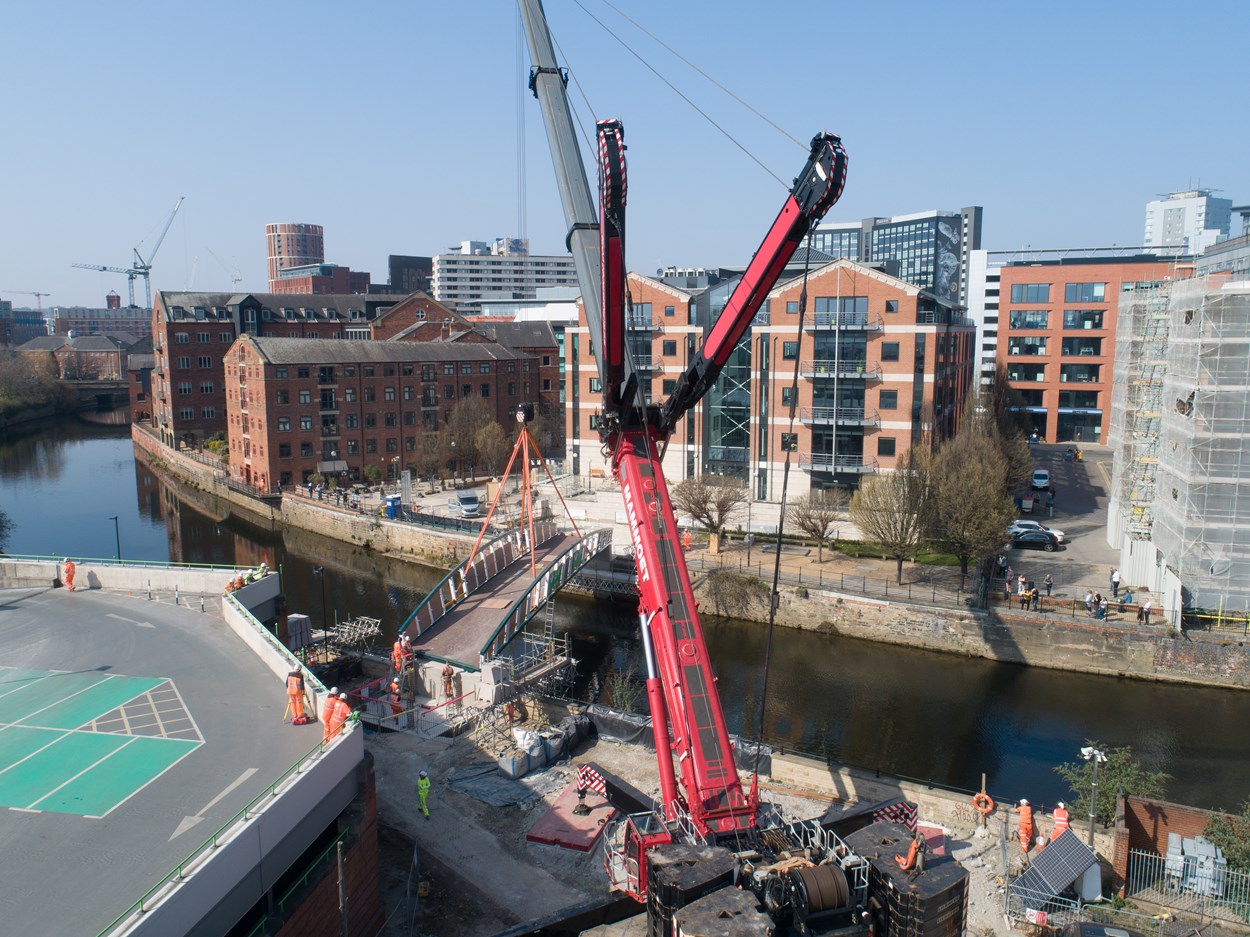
(1057, 866)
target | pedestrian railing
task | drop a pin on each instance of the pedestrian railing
(1189, 883)
(222, 835)
(114, 561)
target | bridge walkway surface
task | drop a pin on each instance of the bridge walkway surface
(469, 616)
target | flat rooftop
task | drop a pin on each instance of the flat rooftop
(130, 731)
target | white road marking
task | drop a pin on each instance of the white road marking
(130, 621)
(191, 821)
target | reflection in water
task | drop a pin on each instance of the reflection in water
(903, 711)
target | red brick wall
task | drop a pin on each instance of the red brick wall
(318, 914)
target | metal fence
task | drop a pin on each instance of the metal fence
(1185, 883)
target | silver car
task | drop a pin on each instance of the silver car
(1021, 524)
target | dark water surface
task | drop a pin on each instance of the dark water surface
(908, 712)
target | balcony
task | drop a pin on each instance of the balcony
(844, 416)
(328, 406)
(640, 323)
(645, 363)
(332, 430)
(843, 321)
(826, 462)
(852, 369)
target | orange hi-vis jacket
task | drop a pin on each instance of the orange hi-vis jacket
(294, 684)
(1062, 822)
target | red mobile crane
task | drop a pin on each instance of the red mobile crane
(687, 719)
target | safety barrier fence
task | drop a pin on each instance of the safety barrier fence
(462, 581)
(299, 884)
(556, 573)
(1217, 620)
(114, 561)
(223, 834)
(403, 514)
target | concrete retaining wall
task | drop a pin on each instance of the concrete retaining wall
(122, 577)
(1154, 653)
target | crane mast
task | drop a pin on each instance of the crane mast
(687, 719)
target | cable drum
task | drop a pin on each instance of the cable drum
(819, 888)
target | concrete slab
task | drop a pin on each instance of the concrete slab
(560, 826)
(101, 742)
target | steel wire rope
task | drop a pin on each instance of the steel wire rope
(677, 91)
(773, 596)
(675, 53)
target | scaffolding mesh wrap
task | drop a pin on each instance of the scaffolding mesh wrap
(1202, 504)
(1136, 403)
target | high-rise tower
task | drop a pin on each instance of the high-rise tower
(293, 245)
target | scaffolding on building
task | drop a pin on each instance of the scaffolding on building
(1136, 405)
(1202, 505)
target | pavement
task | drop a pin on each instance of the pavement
(130, 731)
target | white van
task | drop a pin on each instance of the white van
(465, 503)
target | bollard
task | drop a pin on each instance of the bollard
(201, 604)
(175, 595)
(149, 590)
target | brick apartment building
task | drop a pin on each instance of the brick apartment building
(192, 331)
(883, 366)
(92, 320)
(85, 357)
(320, 279)
(1056, 335)
(295, 407)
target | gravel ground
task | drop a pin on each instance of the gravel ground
(482, 877)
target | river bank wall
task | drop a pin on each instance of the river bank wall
(1038, 640)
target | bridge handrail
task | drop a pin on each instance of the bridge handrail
(114, 561)
(591, 544)
(544, 532)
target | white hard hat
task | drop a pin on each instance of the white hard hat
(1061, 804)
(1024, 803)
(423, 774)
(342, 696)
(334, 691)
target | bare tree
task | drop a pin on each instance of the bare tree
(969, 504)
(493, 445)
(467, 417)
(816, 514)
(996, 413)
(711, 502)
(890, 509)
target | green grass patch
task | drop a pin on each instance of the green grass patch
(927, 557)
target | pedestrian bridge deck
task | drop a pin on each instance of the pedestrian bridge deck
(469, 616)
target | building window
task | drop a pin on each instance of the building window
(891, 305)
(388, 370)
(183, 362)
(1028, 318)
(1031, 373)
(371, 420)
(888, 400)
(303, 372)
(388, 393)
(410, 393)
(204, 337)
(206, 387)
(225, 338)
(284, 424)
(1026, 345)
(1083, 318)
(305, 396)
(410, 418)
(669, 310)
(512, 388)
(352, 421)
(885, 445)
(283, 396)
(449, 369)
(182, 338)
(390, 419)
(305, 449)
(789, 350)
(595, 421)
(1030, 292)
(205, 361)
(305, 423)
(371, 446)
(449, 392)
(427, 372)
(392, 444)
(889, 351)
(280, 373)
(1084, 292)
(670, 347)
(466, 390)
(369, 394)
(596, 385)
(353, 447)
(512, 367)
(284, 450)
(485, 368)
(184, 388)
(789, 442)
(485, 390)
(186, 413)
(466, 369)
(349, 394)
(208, 413)
(787, 396)
(547, 383)
(1080, 345)
(792, 307)
(669, 386)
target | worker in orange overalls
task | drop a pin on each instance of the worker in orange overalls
(448, 676)
(398, 657)
(328, 706)
(1026, 825)
(396, 696)
(342, 709)
(68, 574)
(1062, 821)
(295, 692)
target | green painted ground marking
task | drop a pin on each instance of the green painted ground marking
(14, 678)
(117, 777)
(20, 704)
(91, 703)
(26, 783)
(16, 742)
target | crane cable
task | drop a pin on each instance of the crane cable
(774, 597)
(672, 87)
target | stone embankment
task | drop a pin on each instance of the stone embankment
(1153, 653)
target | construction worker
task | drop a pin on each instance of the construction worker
(67, 574)
(1062, 821)
(448, 681)
(328, 705)
(295, 692)
(342, 710)
(397, 655)
(396, 706)
(423, 793)
(1026, 825)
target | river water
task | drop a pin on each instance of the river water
(907, 712)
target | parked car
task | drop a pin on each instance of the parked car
(1036, 539)
(1041, 479)
(465, 503)
(1022, 524)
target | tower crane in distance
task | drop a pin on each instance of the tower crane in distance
(38, 296)
(140, 267)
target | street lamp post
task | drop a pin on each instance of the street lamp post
(319, 572)
(117, 534)
(1089, 753)
(455, 465)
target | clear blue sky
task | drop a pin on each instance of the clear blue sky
(394, 125)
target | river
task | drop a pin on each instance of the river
(908, 712)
